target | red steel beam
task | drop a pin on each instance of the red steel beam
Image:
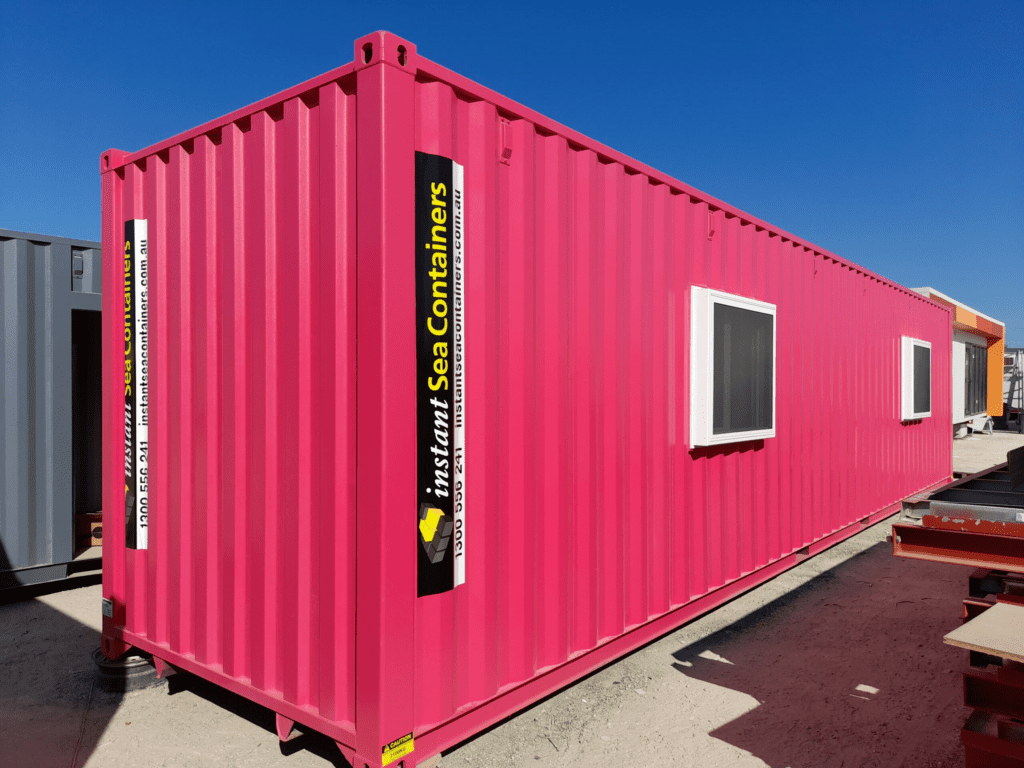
(975, 757)
(1000, 695)
(981, 550)
(991, 742)
(978, 525)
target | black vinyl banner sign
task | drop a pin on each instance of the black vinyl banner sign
(440, 373)
(136, 383)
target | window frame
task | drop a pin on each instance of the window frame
(975, 380)
(907, 412)
(702, 374)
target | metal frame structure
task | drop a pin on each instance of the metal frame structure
(978, 520)
(1013, 390)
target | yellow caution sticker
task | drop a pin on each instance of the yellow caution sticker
(396, 749)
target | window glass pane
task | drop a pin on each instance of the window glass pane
(922, 379)
(743, 370)
(976, 388)
(968, 379)
(976, 380)
(983, 380)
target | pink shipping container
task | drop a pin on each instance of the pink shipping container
(316, 521)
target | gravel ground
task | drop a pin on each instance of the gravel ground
(838, 662)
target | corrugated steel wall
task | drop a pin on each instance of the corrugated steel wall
(251, 562)
(589, 515)
(38, 291)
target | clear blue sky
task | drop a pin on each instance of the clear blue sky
(890, 133)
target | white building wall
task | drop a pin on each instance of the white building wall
(960, 341)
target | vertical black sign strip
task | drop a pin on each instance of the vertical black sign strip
(130, 487)
(435, 369)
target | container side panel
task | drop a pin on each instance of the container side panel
(250, 565)
(588, 512)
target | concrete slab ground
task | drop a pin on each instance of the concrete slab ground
(836, 663)
(979, 451)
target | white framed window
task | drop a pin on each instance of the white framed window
(915, 379)
(732, 368)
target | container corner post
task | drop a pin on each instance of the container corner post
(112, 159)
(384, 47)
(386, 361)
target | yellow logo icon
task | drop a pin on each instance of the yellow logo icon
(428, 524)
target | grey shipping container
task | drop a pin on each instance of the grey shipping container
(50, 465)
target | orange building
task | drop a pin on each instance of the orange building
(978, 343)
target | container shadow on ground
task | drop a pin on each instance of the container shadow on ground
(310, 741)
(848, 668)
(47, 680)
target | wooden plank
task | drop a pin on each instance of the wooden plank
(999, 631)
